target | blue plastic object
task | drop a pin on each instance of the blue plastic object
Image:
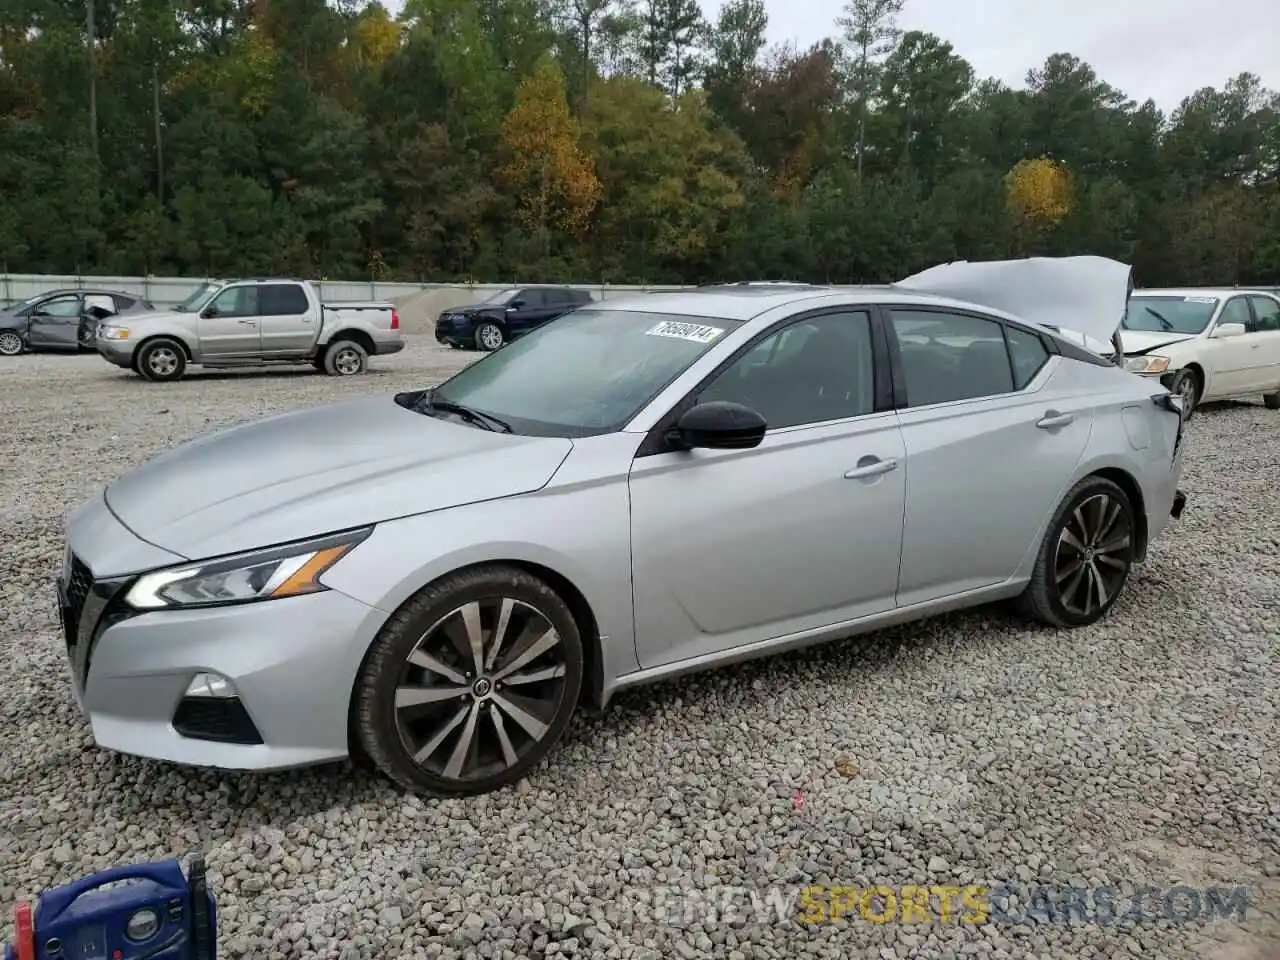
(150, 911)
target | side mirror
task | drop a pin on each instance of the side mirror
(1229, 330)
(719, 425)
(515, 304)
(209, 311)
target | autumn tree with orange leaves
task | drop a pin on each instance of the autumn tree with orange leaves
(1039, 195)
(553, 180)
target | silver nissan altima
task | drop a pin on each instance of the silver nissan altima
(648, 486)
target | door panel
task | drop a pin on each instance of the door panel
(982, 478)
(233, 329)
(286, 323)
(55, 323)
(1229, 359)
(732, 547)
(1265, 364)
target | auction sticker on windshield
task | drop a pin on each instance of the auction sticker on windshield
(697, 332)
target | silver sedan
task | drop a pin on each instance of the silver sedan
(647, 486)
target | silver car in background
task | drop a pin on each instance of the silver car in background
(644, 487)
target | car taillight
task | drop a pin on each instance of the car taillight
(395, 320)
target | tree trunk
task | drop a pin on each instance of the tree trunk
(91, 33)
(155, 113)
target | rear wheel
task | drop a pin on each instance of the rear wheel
(345, 358)
(88, 335)
(162, 360)
(1085, 558)
(1271, 401)
(470, 684)
(10, 343)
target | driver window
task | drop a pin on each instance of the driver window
(531, 298)
(1268, 314)
(1237, 311)
(68, 306)
(237, 302)
(810, 372)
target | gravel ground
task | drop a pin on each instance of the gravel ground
(968, 749)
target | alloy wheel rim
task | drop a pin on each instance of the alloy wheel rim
(10, 343)
(162, 361)
(1187, 391)
(346, 362)
(491, 337)
(1093, 555)
(480, 689)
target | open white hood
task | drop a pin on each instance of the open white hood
(1085, 295)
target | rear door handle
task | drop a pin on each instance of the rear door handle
(870, 467)
(1053, 418)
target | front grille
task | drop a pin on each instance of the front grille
(79, 585)
(220, 719)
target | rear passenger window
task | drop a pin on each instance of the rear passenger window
(1028, 354)
(282, 300)
(951, 356)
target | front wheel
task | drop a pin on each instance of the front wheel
(470, 684)
(489, 336)
(88, 337)
(1271, 400)
(1085, 558)
(161, 360)
(1188, 388)
(345, 358)
(10, 343)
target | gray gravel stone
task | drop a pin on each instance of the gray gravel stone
(1138, 751)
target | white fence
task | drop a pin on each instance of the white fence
(166, 291)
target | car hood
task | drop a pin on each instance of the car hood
(474, 308)
(1138, 342)
(140, 317)
(315, 471)
(1086, 295)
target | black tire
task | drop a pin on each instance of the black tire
(1271, 401)
(1061, 595)
(11, 343)
(442, 723)
(345, 358)
(87, 336)
(489, 336)
(161, 360)
(1189, 386)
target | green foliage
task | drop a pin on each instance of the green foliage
(612, 140)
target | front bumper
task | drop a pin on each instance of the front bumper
(119, 352)
(459, 331)
(290, 664)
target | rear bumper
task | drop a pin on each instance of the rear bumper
(382, 348)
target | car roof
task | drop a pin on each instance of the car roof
(94, 290)
(743, 302)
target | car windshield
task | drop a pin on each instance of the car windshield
(587, 373)
(197, 298)
(502, 296)
(1170, 314)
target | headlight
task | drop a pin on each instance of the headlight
(286, 571)
(1148, 364)
(108, 332)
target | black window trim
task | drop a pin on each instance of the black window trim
(655, 441)
(1053, 347)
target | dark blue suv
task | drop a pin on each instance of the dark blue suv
(508, 314)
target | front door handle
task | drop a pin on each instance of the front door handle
(251, 323)
(1053, 418)
(870, 467)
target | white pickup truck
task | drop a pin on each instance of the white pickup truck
(241, 323)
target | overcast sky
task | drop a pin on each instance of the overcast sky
(1162, 49)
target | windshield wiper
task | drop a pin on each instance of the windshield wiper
(430, 403)
(1163, 322)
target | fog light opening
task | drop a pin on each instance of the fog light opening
(212, 686)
